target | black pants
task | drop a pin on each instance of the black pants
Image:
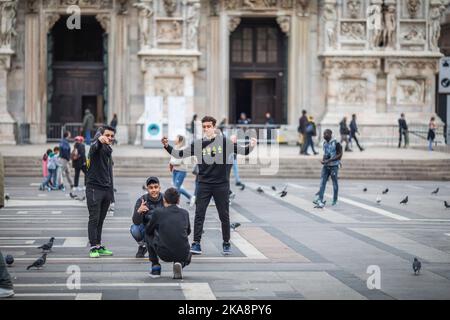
(98, 202)
(5, 278)
(153, 254)
(77, 175)
(221, 195)
(353, 136)
(403, 133)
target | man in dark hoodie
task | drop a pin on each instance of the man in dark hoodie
(143, 210)
(167, 235)
(99, 188)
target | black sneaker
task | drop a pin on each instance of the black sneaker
(177, 270)
(155, 272)
(226, 249)
(142, 250)
(196, 248)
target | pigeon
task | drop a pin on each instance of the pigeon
(235, 225)
(9, 260)
(417, 265)
(260, 190)
(39, 263)
(435, 191)
(273, 188)
(446, 204)
(7, 196)
(404, 201)
(242, 187)
(385, 191)
(48, 246)
(378, 200)
(283, 193)
(365, 189)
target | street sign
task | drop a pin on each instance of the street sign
(444, 75)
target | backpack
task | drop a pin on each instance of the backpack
(310, 128)
(74, 155)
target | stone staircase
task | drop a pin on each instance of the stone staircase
(430, 169)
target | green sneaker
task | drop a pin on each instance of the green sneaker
(104, 252)
(93, 253)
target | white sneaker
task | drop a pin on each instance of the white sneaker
(177, 270)
(192, 201)
(6, 293)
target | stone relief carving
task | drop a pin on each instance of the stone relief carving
(330, 19)
(303, 7)
(169, 31)
(170, 6)
(435, 15)
(353, 91)
(258, 4)
(233, 23)
(82, 3)
(32, 6)
(105, 21)
(51, 19)
(286, 4)
(354, 8)
(192, 21)
(145, 14)
(410, 91)
(8, 13)
(285, 24)
(375, 24)
(413, 7)
(390, 26)
(231, 4)
(214, 6)
(353, 31)
(166, 87)
(414, 34)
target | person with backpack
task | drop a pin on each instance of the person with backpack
(310, 132)
(344, 132)
(64, 148)
(78, 157)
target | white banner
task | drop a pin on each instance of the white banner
(177, 117)
(153, 126)
(444, 75)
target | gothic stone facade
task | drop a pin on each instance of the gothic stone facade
(376, 58)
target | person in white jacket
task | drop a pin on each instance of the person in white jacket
(178, 167)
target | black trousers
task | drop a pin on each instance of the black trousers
(353, 136)
(98, 202)
(221, 195)
(77, 175)
(153, 254)
(5, 278)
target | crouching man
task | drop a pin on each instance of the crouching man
(143, 210)
(167, 236)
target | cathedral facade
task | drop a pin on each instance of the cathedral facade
(333, 58)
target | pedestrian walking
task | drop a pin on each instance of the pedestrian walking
(354, 131)
(143, 210)
(402, 131)
(78, 157)
(45, 167)
(178, 167)
(64, 147)
(432, 127)
(51, 181)
(344, 131)
(213, 154)
(269, 123)
(167, 236)
(6, 284)
(99, 188)
(310, 132)
(332, 155)
(302, 122)
(88, 125)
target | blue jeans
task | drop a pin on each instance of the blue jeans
(309, 143)
(51, 177)
(87, 137)
(326, 173)
(138, 233)
(178, 178)
(236, 171)
(430, 144)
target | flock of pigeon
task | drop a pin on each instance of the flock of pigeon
(40, 262)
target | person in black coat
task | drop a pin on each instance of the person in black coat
(78, 157)
(344, 131)
(402, 130)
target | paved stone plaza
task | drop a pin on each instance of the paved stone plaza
(284, 249)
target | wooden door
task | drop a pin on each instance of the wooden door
(263, 99)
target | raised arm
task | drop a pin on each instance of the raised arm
(182, 153)
(244, 150)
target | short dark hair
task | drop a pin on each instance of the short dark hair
(303, 112)
(55, 149)
(66, 134)
(209, 119)
(172, 196)
(328, 131)
(152, 180)
(104, 128)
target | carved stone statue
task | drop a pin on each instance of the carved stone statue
(170, 6)
(285, 24)
(253, 4)
(192, 20)
(435, 25)
(8, 12)
(413, 7)
(390, 26)
(375, 24)
(145, 13)
(354, 8)
(330, 18)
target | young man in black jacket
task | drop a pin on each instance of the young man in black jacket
(143, 210)
(99, 188)
(214, 155)
(167, 235)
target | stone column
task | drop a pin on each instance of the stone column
(6, 121)
(214, 82)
